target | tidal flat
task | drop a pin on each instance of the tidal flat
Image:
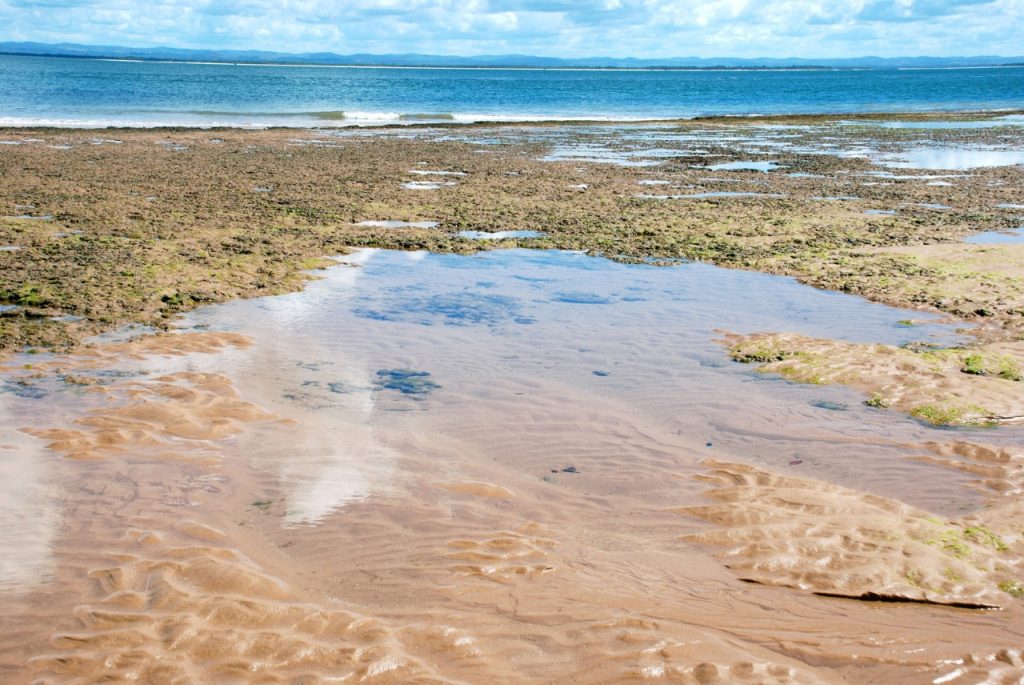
(165, 221)
(449, 404)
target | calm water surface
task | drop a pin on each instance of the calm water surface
(501, 331)
(68, 91)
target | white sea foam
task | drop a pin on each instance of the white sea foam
(320, 119)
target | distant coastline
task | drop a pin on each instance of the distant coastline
(483, 67)
(327, 59)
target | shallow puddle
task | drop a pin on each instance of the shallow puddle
(599, 154)
(521, 318)
(429, 172)
(499, 235)
(709, 194)
(427, 185)
(29, 515)
(1009, 120)
(950, 158)
(1010, 237)
(745, 166)
(399, 224)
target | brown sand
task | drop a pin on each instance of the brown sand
(173, 564)
(979, 384)
(998, 469)
(834, 541)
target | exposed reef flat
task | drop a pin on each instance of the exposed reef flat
(168, 220)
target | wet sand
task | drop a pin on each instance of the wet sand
(258, 505)
(514, 467)
(979, 385)
(461, 567)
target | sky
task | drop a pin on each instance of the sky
(556, 28)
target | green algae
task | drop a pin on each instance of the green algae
(948, 415)
(139, 236)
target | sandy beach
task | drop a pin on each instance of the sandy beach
(722, 400)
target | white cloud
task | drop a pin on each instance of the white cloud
(644, 28)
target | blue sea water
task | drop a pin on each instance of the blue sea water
(83, 92)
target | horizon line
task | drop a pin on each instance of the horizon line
(252, 56)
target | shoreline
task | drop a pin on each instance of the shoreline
(446, 120)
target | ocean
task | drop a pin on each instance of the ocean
(61, 91)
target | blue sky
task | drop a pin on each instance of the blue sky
(563, 28)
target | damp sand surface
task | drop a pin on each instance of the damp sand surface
(518, 466)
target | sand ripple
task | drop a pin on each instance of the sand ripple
(185, 406)
(178, 565)
(975, 385)
(997, 468)
(177, 610)
(835, 541)
(641, 650)
(504, 556)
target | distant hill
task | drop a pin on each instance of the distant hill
(418, 60)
